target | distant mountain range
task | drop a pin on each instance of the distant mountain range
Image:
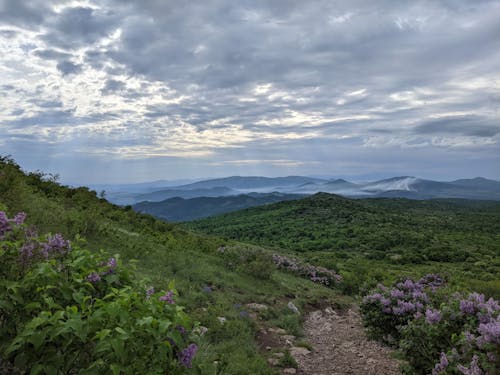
(396, 187)
(180, 209)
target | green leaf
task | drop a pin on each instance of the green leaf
(118, 348)
(37, 339)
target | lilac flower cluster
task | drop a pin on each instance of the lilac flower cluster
(186, 355)
(32, 249)
(442, 365)
(168, 297)
(320, 275)
(55, 245)
(480, 322)
(110, 265)
(94, 277)
(5, 222)
(408, 298)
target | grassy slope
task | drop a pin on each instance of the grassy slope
(163, 252)
(377, 239)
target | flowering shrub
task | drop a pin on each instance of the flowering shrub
(320, 275)
(437, 334)
(64, 310)
(386, 310)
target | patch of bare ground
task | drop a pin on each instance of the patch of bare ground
(340, 346)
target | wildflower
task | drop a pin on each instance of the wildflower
(19, 218)
(490, 332)
(467, 307)
(186, 355)
(432, 317)
(26, 253)
(56, 244)
(4, 223)
(441, 366)
(150, 292)
(396, 293)
(168, 297)
(111, 263)
(93, 277)
(474, 368)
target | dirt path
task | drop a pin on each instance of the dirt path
(340, 346)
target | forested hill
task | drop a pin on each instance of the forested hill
(383, 234)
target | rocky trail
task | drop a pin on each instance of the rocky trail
(337, 345)
(340, 346)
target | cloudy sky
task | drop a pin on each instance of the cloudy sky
(125, 91)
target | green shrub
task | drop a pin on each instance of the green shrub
(64, 309)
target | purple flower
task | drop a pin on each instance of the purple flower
(396, 293)
(168, 297)
(56, 244)
(150, 292)
(186, 355)
(26, 253)
(4, 223)
(490, 332)
(474, 368)
(432, 317)
(441, 366)
(182, 330)
(93, 277)
(111, 263)
(19, 218)
(467, 307)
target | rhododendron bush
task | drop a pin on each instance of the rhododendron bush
(437, 332)
(66, 310)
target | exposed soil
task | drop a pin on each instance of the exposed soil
(340, 346)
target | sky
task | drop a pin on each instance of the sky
(125, 91)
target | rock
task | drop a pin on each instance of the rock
(256, 306)
(201, 330)
(288, 337)
(330, 311)
(273, 361)
(279, 355)
(221, 319)
(278, 331)
(299, 351)
(289, 370)
(294, 308)
(268, 348)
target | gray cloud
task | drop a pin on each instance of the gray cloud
(23, 13)
(50, 54)
(465, 125)
(67, 67)
(328, 85)
(78, 26)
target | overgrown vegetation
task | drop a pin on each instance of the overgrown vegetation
(438, 332)
(64, 308)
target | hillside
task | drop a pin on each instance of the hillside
(180, 209)
(214, 287)
(372, 239)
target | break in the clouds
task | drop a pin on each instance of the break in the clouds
(115, 90)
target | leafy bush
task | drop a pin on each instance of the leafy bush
(65, 310)
(437, 332)
(386, 310)
(320, 275)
